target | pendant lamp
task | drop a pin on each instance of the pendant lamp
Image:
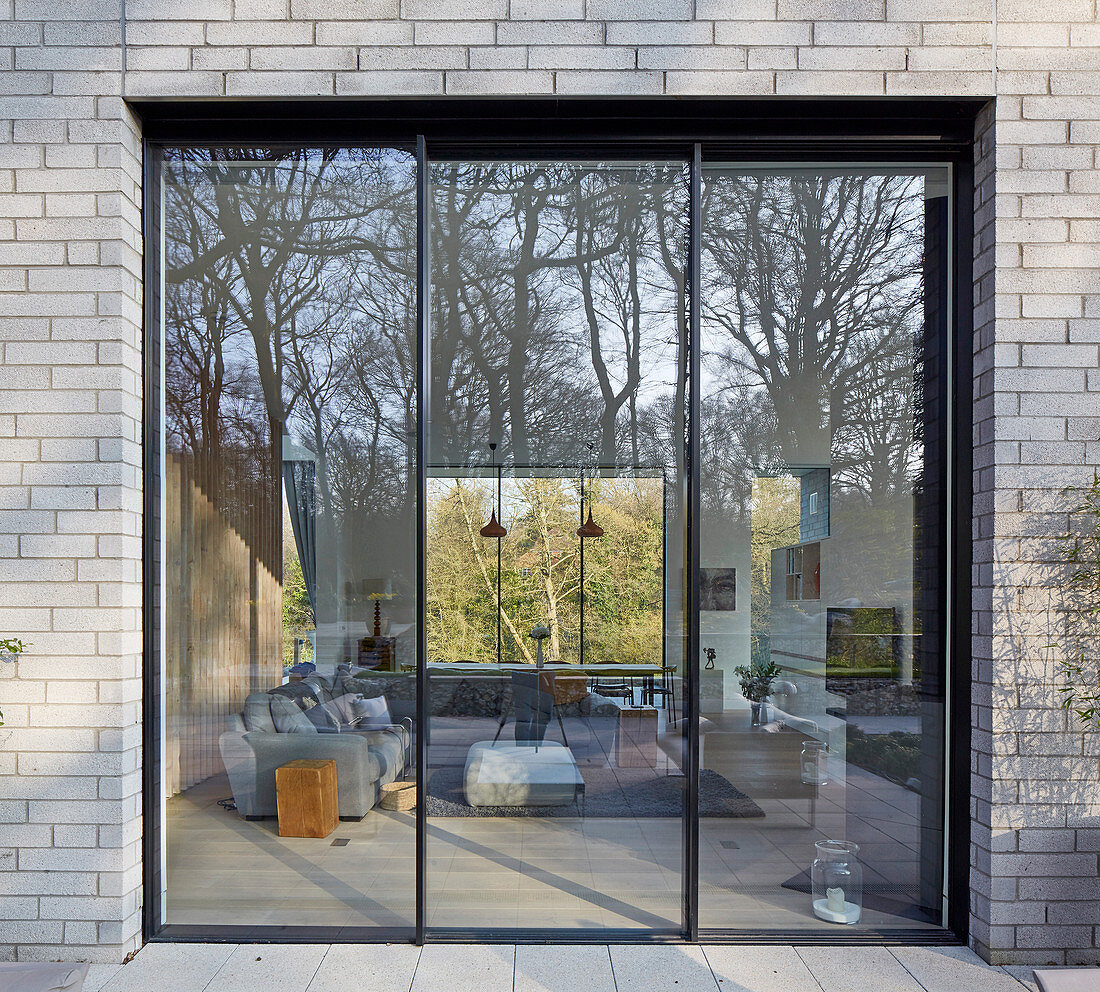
(590, 528)
(493, 527)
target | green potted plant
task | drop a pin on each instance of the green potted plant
(10, 650)
(756, 685)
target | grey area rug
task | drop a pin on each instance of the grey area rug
(608, 792)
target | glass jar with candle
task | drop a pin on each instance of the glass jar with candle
(836, 880)
(815, 763)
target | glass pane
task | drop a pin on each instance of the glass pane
(289, 609)
(824, 308)
(556, 796)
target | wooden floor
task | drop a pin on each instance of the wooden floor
(521, 872)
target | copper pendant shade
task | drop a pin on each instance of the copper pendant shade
(590, 528)
(494, 529)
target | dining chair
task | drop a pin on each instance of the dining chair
(666, 689)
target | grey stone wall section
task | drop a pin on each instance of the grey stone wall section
(70, 370)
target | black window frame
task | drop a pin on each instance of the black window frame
(821, 132)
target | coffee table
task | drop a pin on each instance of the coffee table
(505, 773)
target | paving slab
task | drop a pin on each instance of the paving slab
(450, 967)
(661, 968)
(558, 967)
(98, 976)
(858, 969)
(949, 969)
(359, 967)
(171, 968)
(1077, 979)
(268, 968)
(1023, 973)
(759, 969)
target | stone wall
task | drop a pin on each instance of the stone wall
(70, 381)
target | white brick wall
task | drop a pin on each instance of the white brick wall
(70, 487)
(70, 496)
(561, 46)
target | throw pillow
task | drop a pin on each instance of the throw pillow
(288, 718)
(257, 712)
(343, 709)
(372, 714)
(323, 719)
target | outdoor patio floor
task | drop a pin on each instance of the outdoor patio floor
(553, 968)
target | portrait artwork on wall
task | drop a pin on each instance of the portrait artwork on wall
(718, 588)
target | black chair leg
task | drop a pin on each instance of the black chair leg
(561, 726)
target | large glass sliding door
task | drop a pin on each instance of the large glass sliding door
(824, 306)
(503, 422)
(554, 796)
(289, 341)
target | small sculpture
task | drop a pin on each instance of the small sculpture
(539, 634)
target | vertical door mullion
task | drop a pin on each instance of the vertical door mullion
(423, 297)
(691, 669)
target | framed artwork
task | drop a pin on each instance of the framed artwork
(718, 588)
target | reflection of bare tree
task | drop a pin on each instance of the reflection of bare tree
(813, 289)
(289, 287)
(553, 308)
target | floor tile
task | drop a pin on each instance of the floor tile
(948, 969)
(449, 967)
(171, 968)
(1023, 973)
(555, 968)
(269, 968)
(858, 969)
(98, 976)
(759, 969)
(661, 968)
(362, 967)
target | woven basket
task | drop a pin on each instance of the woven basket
(398, 796)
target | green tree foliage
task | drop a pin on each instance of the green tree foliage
(297, 615)
(540, 571)
(775, 513)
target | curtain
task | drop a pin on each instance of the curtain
(298, 478)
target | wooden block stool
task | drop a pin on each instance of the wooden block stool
(305, 793)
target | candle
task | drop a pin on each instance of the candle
(834, 900)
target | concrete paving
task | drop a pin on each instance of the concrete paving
(552, 968)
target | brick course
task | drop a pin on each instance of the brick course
(70, 369)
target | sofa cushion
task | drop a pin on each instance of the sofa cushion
(371, 714)
(303, 693)
(323, 719)
(387, 747)
(288, 718)
(322, 687)
(342, 709)
(257, 712)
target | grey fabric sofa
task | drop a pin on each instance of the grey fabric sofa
(252, 748)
